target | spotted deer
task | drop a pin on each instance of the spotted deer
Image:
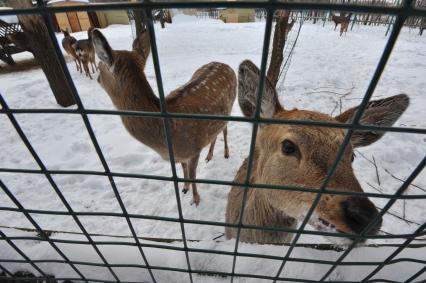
(296, 155)
(289, 26)
(342, 20)
(67, 43)
(211, 90)
(86, 53)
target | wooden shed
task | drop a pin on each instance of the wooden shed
(107, 18)
(237, 15)
(74, 21)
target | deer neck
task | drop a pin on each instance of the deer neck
(132, 92)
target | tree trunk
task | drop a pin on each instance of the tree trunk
(278, 47)
(43, 49)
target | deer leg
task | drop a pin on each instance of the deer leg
(335, 26)
(210, 154)
(93, 68)
(186, 176)
(93, 63)
(225, 139)
(76, 64)
(192, 175)
(86, 70)
(79, 64)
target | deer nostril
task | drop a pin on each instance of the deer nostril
(358, 213)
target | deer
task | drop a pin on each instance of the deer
(67, 43)
(211, 90)
(342, 20)
(298, 155)
(289, 26)
(86, 53)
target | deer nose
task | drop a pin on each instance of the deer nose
(358, 213)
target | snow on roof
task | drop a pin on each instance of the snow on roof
(61, 1)
(10, 19)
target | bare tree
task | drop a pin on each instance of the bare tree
(278, 46)
(36, 32)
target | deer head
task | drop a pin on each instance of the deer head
(295, 155)
(121, 73)
(65, 32)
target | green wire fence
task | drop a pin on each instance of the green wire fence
(401, 12)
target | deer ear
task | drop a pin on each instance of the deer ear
(383, 112)
(102, 47)
(248, 83)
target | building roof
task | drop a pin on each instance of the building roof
(62, 1)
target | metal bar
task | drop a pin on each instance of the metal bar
(39, 230)
(214, 223)
(210, 273)
(43, 168)
(389, 46)
(209, 251)
(402, 12)
(393, 255)
(421, 271)
(357, 117)
(166, 123)
(400, 191)
(262, 78)
(348, 7)
(6, 271)
(48, 22)
(218, 118)
(21, 253)
(210, 181)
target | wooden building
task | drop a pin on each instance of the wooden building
(73, 21)
(82, 20)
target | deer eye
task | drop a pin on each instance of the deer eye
(288, 147)
(353, 157)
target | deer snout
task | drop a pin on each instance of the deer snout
(358, 213)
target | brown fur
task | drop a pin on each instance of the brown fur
(342, 20)
(86, 53)
(211, 90)
(142, 44)
(308, 166)
(67, 43)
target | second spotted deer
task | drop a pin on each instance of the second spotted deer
(86, 53)
(211, 90)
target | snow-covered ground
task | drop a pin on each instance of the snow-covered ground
(326, 70)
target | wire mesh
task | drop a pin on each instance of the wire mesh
(402, 12)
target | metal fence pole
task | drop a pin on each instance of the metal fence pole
(407, 10)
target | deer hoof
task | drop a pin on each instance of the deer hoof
(208, 158)
(185, 190)
(196, 201)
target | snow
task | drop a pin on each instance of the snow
(323, 64)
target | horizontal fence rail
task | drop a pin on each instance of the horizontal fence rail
(400, 13)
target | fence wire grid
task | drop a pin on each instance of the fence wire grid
(400, 12)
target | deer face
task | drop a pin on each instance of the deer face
(302, 156)
(119, 70)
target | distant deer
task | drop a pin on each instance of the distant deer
(86, 52)
(293, 155)
(422, 26)
(342, 20)
(211, 90)
(289, 26)
(67, 43)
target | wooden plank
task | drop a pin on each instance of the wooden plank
(73, 20)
